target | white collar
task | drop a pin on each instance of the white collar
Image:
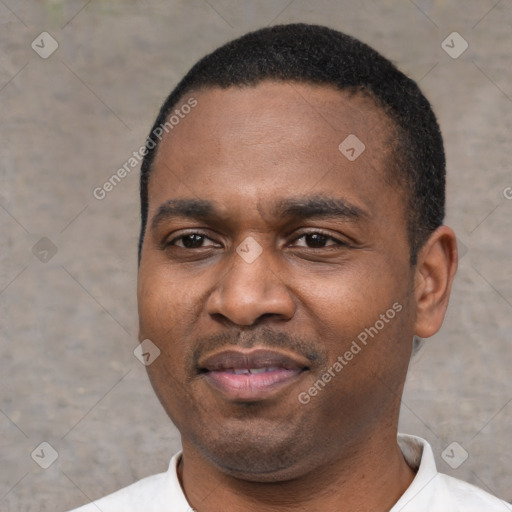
(430, 491)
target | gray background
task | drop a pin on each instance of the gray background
(69, 324)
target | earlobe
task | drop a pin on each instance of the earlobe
(435, 270)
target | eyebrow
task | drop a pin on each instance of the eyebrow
(297, 208)
(198, 209)
(319, 207)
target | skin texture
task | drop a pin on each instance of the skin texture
(245, 149)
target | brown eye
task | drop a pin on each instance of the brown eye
(317, 240)
(190, 241)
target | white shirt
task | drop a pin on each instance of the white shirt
(430, 491)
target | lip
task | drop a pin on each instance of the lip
(229, 372)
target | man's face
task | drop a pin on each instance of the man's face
(288, 253)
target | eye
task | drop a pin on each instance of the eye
(318, 240)
(193, 240)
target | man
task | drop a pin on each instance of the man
(292, 247)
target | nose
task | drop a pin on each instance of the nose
(251, 288)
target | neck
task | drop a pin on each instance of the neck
(370, 475)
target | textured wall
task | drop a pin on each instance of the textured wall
(68, 323)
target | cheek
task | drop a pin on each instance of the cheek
(353, 296)
(169, 315)
(158, 303)
(163, 320)
(365, 305)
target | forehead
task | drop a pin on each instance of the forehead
(290, 110)
(263, 139)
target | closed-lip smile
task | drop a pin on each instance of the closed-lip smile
(251, 375)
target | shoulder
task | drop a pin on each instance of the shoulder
(132, 497)
(152, 494)
(471, 498)
(431, 491)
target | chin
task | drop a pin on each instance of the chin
(255, 466)
(257, 455)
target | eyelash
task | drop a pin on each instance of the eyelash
(338, 243)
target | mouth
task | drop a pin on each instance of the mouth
(251, 376)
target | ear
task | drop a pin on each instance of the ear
(435, 270)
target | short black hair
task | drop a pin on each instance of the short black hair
(314, 54)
